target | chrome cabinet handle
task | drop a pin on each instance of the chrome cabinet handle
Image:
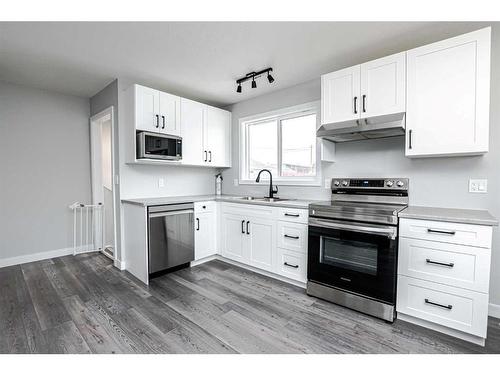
(197, 224)
(243, 226)
(428, 261)
(292, 215)
(291, 265)
(157, 121)
(355, 105)
(163, 119)
(248, 230)
(439, 231)
(292, 237)
(364, 103)
(447, 307)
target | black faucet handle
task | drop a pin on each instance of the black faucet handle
(275, 189)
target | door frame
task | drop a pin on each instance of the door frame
(93, 122)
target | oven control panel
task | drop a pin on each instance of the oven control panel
(370, 183)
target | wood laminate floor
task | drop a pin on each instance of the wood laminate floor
(84, 305)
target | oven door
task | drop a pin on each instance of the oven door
(357, 257)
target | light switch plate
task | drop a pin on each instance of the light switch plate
(478, 186)
(328, 183)
(235, 182)
(161, 182)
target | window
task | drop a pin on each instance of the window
(282, 141)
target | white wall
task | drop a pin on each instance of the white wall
(434, 182)
(44, 167)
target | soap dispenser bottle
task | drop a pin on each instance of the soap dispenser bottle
(218, 184)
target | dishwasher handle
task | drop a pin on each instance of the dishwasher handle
(170, 213)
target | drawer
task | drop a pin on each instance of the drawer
(460, 309)
(461, 234)
(292, 264)
(455, 265)
(292, 236)
(252, 210)
(294, 215)
(205, 206)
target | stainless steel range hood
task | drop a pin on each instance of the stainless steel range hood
(370, 128)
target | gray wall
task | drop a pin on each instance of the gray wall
(45, 166)
(436, 182)
(104, 99)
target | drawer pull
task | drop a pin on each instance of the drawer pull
(440, 263)
(448, 232)
(447, 307)
(292, 215)
(291, 265)
(292, 237)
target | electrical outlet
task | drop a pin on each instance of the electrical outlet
(161, 182)
(235, 182)
(328, 183)
(478, 186)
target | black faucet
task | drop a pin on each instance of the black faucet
(272, 191)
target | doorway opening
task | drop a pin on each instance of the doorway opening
(102, 142)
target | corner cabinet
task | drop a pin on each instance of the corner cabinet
(375, 88)
(206, 133)
(205, 130)
(448, 96)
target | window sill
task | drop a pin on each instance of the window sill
(313, 182)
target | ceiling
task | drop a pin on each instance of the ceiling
(199, 60)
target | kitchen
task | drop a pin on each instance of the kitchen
(296, 219)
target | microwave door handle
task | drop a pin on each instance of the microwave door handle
(389, 232)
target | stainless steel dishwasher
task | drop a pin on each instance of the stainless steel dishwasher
(171, 237)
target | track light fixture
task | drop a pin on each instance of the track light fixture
(252, 76)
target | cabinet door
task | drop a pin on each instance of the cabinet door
(170, 114)
(192, 117)
(383, 86)
(217, 137)
(261, 243)
(205, 238)
(340, 99)
(233, 229)
(147, 108)
(448, 96)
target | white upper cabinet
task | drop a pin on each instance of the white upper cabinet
(170, 119)
(340, 95)
(156, 111)
(217, 137)
(448, 96)
(383, 86)
(192, 120)
(147, 108)
(375, 88)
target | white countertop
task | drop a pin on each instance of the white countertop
(454, 215)
(292, 203)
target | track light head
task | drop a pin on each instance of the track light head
(254, 84)
(270, 78)
(238, 89)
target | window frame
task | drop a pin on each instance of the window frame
(279, 115)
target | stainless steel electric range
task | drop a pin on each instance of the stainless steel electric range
(353, 244)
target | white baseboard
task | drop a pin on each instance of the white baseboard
(494, 310)
(119, 264)
(5, 262)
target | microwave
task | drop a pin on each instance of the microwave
(158, 146)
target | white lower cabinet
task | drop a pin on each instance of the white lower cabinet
(205, 230)
(252, 235)
(443, 277)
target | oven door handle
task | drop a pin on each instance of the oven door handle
(380, 231)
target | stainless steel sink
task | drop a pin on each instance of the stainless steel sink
(263, 199)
